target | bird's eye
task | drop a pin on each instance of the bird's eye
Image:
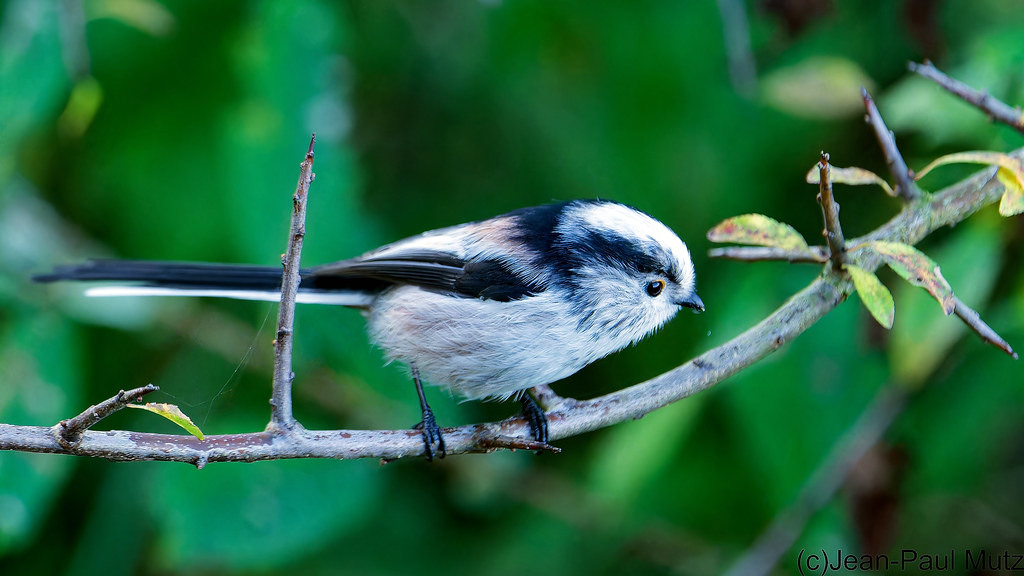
(654, 287)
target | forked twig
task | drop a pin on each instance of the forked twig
(69, 432)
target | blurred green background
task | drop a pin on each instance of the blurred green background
(145, 129)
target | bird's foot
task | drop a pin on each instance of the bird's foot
(431, 435)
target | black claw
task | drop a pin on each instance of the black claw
(431, 431)
(536, 417)
(431, 435)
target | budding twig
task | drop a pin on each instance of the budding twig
(905, 187)
(996, 109)
(69, 432)
(830, 212)
(281, 418)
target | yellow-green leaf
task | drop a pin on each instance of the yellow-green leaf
(1011, 164)
(918, 269)
(875, 296)
(1012, 202)
(852, 176)
(172, 413)
(759, 230)
(822, 87)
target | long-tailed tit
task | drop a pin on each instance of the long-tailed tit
(488, 309)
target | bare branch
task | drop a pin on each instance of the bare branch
(906, 188)
(833, 232)
(281, 417)
(996, 109)
(974, 322)
(69, 432)
(817, 254)
(571, 417)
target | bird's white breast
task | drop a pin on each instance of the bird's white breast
(485, 348)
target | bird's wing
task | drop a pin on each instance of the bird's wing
(480, 277)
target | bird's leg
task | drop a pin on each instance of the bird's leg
(431, 431)
(535, 415)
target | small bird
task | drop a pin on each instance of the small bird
(488, 309)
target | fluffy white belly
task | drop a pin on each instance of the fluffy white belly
(482, 348)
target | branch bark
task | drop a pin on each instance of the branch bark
(817, 255)
(570, 417)
(830, 213)
(281, 418)
(905, 188)
(995, 109)
(69, 432)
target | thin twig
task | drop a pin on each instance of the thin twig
(803, 310)
(281, 418)
(833, 232)
(817, 254)
(821, 486)
(69, 432)
(512, 443)
(996, 109)
(974, 322)
(905, 187)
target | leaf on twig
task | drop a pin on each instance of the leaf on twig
(875, 296)
(1011, 175)
(759, 230)
(1012, 202)
(172, 413)
(852, 176)
(918, 269)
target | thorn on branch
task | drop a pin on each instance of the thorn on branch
(995, 109)
(830, 212)
(974, 322)
(69, 432)
(906, 188)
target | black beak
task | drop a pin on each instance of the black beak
(693, 303)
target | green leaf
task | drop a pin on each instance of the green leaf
(918, 269)
(875, 296)
(172, 413)
(759, 230)
(852, 176)
(922, 340)
(1012, 202)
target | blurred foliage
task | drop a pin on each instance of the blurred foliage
(149, 129)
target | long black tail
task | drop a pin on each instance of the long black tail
(239, 281)
(169, 274)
